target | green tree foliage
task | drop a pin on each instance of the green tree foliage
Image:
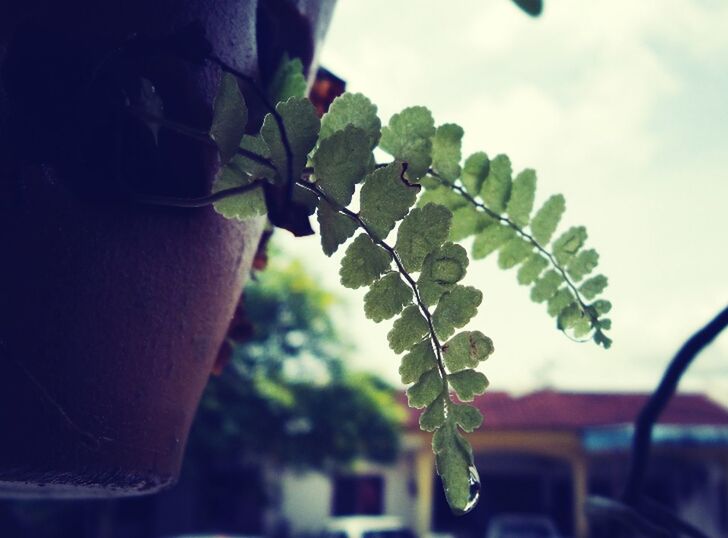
(287, 389)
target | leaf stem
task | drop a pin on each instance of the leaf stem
(276, 116)
(196, 134)
(400, 267)
(202, 201)
(528, 237)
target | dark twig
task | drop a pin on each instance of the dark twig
(201, 201)
(395, 257)
(528, 237)
(196, 134)
(658, 401)
(276, 116)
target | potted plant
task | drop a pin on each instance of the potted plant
(120, 290)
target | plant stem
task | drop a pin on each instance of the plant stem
(400, 267)
(528, 237)
(201, 201)
(658, 401)
(276, 116)
(196, 134)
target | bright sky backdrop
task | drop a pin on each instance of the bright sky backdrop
(621, 106)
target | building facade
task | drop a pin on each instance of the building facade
(542, 453)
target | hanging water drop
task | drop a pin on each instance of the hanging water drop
(474, 494)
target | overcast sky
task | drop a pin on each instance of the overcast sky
(621, 106)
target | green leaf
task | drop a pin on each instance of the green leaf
(466, 350)
(593, 287)
(341, 162)
(568, 244)
(241, 206)
(419, 360)
(421, 232)
(468, 384)
(571, 316)
(441, 270)
(335, 227)
(229, 117)
(522, 196)
(385, 198)
(532, 7)
(466, 416)
(602, 339)
(256, 169)
(363, 262)
(446, 150)
(434, 416)
(467, 221)
(547, 218)
(496, 189)
(302, 127)
(386, 297)
(475, 170)
(532, 268)
(288, 80)
(408, 329)
(442, 196)
(427, 388)
(352, 109)
(582, 264)
(455, 309)
(491, 239)
(546, 286)
(602, 306)
(513, 252)
(454, 461)
(560, 300)
(408, 138)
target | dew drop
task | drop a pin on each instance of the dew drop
(474, 495)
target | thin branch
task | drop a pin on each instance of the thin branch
(196, 134)
(202, 201)
(276, 116)
(658, 401)
(395, 257)
(528, 237)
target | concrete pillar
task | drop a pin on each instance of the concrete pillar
(579, 481)
(424, 469)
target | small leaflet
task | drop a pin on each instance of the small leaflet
(363, 262)
(386, 198)
(386, 298)
(422, 230)
(523, 193)
(496, 189)
(229, 117)
(352, 109)
(419, 360)
(455, 309)
(468, 384)
(407, 330)
(408, 138)
(546, 219)
(334, 227)
(446, 150)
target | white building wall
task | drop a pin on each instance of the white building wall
(702, 508)
(305, 500)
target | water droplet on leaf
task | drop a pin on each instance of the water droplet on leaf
(474, 495)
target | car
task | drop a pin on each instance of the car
(521, 526)
(366, 527)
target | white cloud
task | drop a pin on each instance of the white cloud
(600, 98)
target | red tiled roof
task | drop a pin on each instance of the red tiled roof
(554, 410)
